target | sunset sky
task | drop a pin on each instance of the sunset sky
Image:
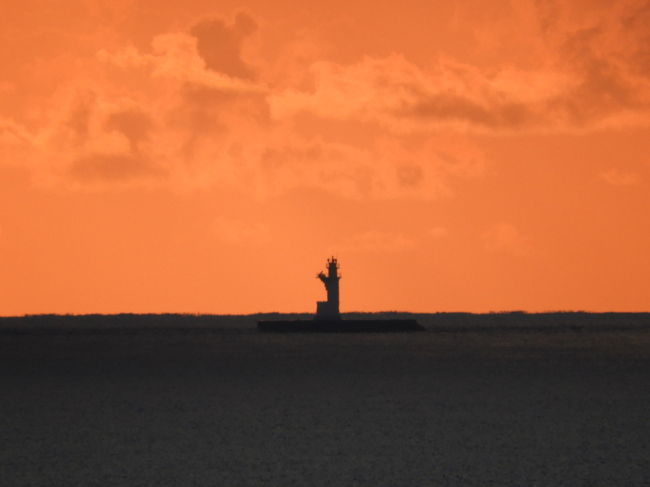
(208, 156)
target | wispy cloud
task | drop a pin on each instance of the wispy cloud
(506, 238)
(241, 232)
(616, 177)
(377, 241)
(438, 232)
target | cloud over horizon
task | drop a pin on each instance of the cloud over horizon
(588, 77)
(193, 111)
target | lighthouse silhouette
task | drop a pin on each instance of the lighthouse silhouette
(328, 317)
(329, 309)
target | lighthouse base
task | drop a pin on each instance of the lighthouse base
(327, 311)
(339, 326)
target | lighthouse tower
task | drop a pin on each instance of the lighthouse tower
(329, 309)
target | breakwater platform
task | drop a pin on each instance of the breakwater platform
(340, 326)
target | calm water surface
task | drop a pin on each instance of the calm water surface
(248, 409)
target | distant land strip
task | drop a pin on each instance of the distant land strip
(135, 324)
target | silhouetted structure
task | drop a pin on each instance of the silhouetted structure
(330, 309)
(328, 317)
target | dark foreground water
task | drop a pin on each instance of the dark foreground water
(241, 408)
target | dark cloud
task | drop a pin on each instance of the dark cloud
(220, 44)
(588, 71)
(112, 168)
(80, 115)
(134, 125)
(605, 75)
(602, 91)
(410, 175)
(451, 107)
(548, 13)
(276, 158)
(636, 24)
(215, 101)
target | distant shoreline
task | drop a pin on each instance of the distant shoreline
(127, 323)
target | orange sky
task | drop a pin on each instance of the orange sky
(202, 156)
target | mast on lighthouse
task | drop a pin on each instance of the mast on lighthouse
(329, 309)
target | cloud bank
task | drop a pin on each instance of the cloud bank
(192, 111)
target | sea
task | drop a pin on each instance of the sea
(229, 406)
